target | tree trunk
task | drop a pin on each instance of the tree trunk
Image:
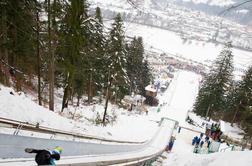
(51, 62)
(208, 112)
(65, 96)
(67, 92)
(107, 98)
(90, 88)
(236, 112)
(4, 51)
(15, 62)
(78, 101)
(38, 61)
(251, 143)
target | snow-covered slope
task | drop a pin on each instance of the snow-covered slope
(18, 106)
(216, 159)
(179, 31)
(200, 51)
(182, 19)
(212, 2)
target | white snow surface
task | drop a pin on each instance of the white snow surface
(147, 3)
(169, 42)
(212, 2)
(128, 127)
(174, 104)
(181, 154)
(176, 101)
(217, 159)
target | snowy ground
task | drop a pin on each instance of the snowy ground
(129, 126)
(169, 42)
(182, 155)
(174, 103)
(182, 152)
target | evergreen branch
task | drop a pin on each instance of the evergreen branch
(96, 21)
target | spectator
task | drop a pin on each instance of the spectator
(194, 140)
(179, 129)
(201, 143)
(171, 143)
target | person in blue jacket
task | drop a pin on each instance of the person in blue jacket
(198, 141)
(194, 140)
(46, 157)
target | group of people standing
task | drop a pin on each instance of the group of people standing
(214, 132)
(199, 142)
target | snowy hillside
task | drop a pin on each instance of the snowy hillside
(188, 24)
(215, 7)
(169, 42)
(181, 154)
(212, 2)
(18, 106)
(180, 31)
(182, 157)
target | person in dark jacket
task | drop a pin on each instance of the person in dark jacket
(201, 143)
(170, 145)
(201, 135)
(198, 141)
(194, 140)
(45, 157)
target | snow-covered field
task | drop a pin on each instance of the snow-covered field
(182, 155)
(129, 126)
(170, 42)
(212, 2)
(173, 42)
(175, 103)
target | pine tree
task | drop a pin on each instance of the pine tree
(17, 41)
(241, 100)
(210, 101)
(117, 58)
(246, 123)
(132, 64)
(146, 77)
(137, 68)
(38, 29)
(51, 67)
(100, 48)
(231, 100)
(96, 55)
(4, 40)
(73, 40)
